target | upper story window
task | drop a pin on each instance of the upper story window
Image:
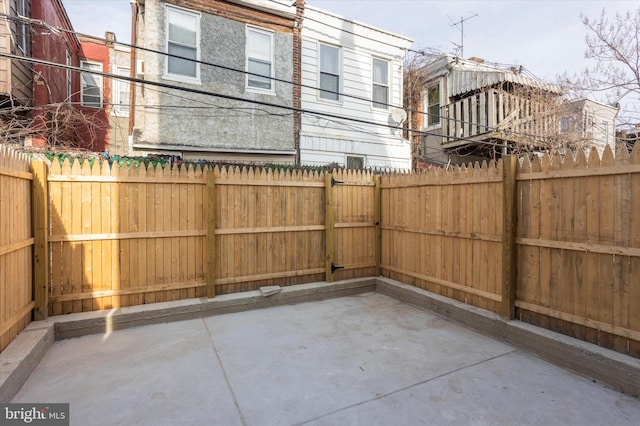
(183, 39)
(329, 72)
(121, 93)
(259, 51)
(91, 85)
(23, 27)
(433, 105)
(380, 79)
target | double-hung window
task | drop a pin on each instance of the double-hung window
(183, 39)
(23, 27)
(91, 85)
(380, 89)
(433, 105)
(329, 72)
(121, 93)
(259, 51)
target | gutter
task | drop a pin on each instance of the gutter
(162, 147)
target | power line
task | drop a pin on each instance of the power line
(197, 61)
(213, 94)
(148, 82)
(145, 49)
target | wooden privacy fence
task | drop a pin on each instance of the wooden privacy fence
(283, 228)
(551, 242)
(578, 240)
(16, 244)
(123, 236)
(443, 231)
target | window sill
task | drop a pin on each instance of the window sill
(181, 79)
(329, 101)
(259, 91)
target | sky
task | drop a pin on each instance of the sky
(546, 37)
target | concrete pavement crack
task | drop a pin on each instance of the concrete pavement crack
(473, 364)
(224, 373)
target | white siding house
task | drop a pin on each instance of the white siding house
(595, 123)
(353, 70)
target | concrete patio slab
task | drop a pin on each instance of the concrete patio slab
(367, 359)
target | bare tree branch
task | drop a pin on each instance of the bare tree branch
(613, 43)
(60, 125)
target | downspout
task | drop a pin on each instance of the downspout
(132, 67)
(297, 77)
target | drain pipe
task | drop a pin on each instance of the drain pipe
(132, 67)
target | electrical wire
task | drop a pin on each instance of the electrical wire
(320, 114)
(212, 94)
(340, 94)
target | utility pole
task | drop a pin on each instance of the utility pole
(461, 23)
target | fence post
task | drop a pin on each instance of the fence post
(329, 219)
(377, 217)
(40, 223)
(211, 233)
(509, 257)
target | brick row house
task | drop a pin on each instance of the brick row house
(44, 105)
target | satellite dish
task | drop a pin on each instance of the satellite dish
(398, 115)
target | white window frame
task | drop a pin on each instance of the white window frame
(99, 84)
(116, 98)
(169, 9)
(429, 125)
(388, 85)
(69, 77)
(340, 73)
(272, 85)
(22, 27)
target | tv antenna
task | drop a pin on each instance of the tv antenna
(461, 23)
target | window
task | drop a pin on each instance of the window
(380, 80)
(433, 105)
(69, 78)
(23, 27)
(183, 39)
(259, 58)
(121, 93)
(91, 85)
(354, 162)
(329, 72)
